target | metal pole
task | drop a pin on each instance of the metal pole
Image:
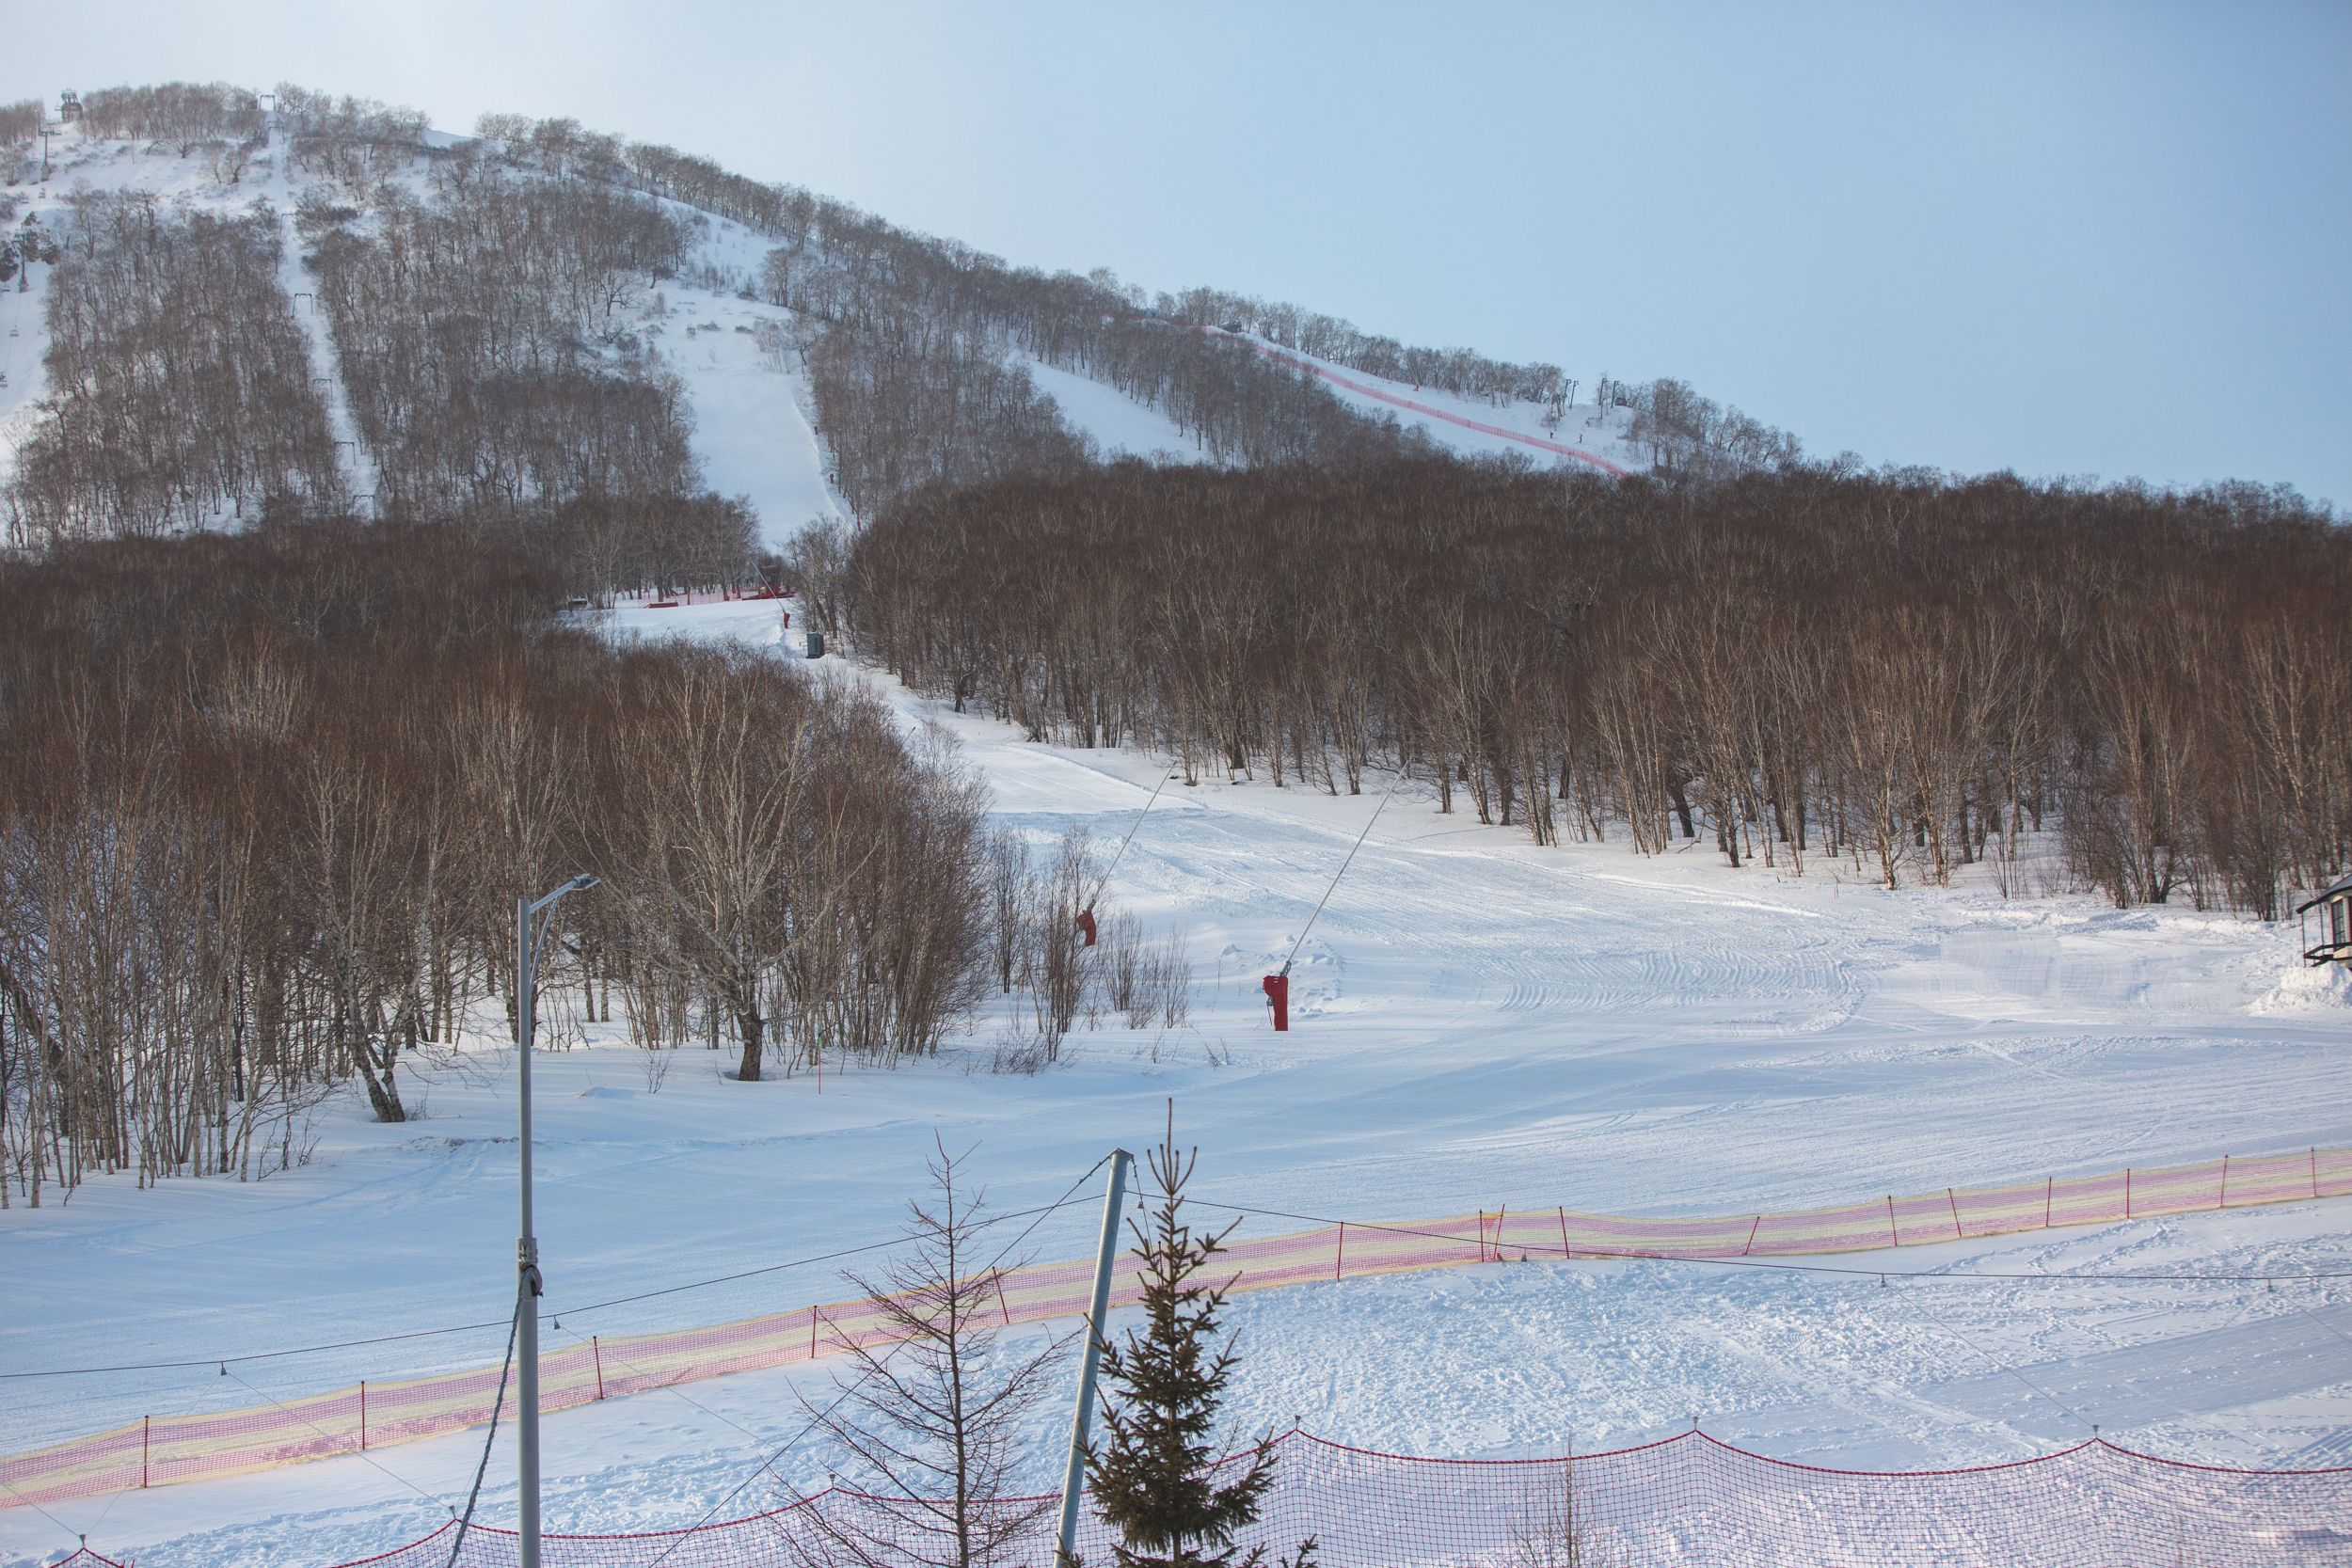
(528, 1285)
(1073, 1478)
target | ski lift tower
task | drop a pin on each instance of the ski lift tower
(69, 110)
(2335, 924)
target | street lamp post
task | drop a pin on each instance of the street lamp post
(529, 1284)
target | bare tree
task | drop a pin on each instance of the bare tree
(929, 1410)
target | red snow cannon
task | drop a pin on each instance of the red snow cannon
(1278, 996)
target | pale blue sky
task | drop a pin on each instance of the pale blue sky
(2069, 239)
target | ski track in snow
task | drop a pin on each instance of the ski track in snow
(1476, 1023)
(1422, 408)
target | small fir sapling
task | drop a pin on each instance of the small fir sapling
(1154, 1475)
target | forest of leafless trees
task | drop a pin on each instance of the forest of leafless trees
(1906, 673)
(954, 329)
(481, 330)
(916, 347)
(267, 803)
(20, 141)
(475, 330)
(179, 380)
(483, 333)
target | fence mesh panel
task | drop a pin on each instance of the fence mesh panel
(1690, 1500)
(161, 1450)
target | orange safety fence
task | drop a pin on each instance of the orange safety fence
(161, 1450)
(1688, 1498)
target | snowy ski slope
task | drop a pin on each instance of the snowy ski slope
(1478, 1023)
(753, 424)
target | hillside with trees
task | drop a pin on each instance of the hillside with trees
(483, 300)
(1910, 672)
(275, 774)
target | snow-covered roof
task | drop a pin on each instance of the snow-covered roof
(2342, 886)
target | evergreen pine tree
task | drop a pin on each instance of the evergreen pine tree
(1154, 1475)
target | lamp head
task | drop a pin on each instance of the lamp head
(580, 884)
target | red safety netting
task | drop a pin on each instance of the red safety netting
(1688, 1499)
(162, 1450)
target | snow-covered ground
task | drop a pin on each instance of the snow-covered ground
(1121, 426)
(1478, 1023)
(1586, 436)
(753, 428)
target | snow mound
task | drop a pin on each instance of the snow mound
(2305, 990)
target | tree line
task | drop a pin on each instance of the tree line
(486, 333)
(20, 123)
(478, 331)
(1689, 436)
(353, 141)
(1910, 672)
(179, 113)
(267, 801)
(1463, 372)
(178, 381)
(920, 377)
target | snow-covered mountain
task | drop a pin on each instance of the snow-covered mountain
(753, 410)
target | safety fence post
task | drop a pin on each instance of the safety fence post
(1891, 1231)
(2049, 1185)
(2127, 1192)
(2223, 1202)
(363, 1415)
(2314, 1170)
(1752, 1230)
(1338, 1254)
(144, 1423)
(1074, 1475)
(1564, 1251)
(597, 1351)
(1958, 1234)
